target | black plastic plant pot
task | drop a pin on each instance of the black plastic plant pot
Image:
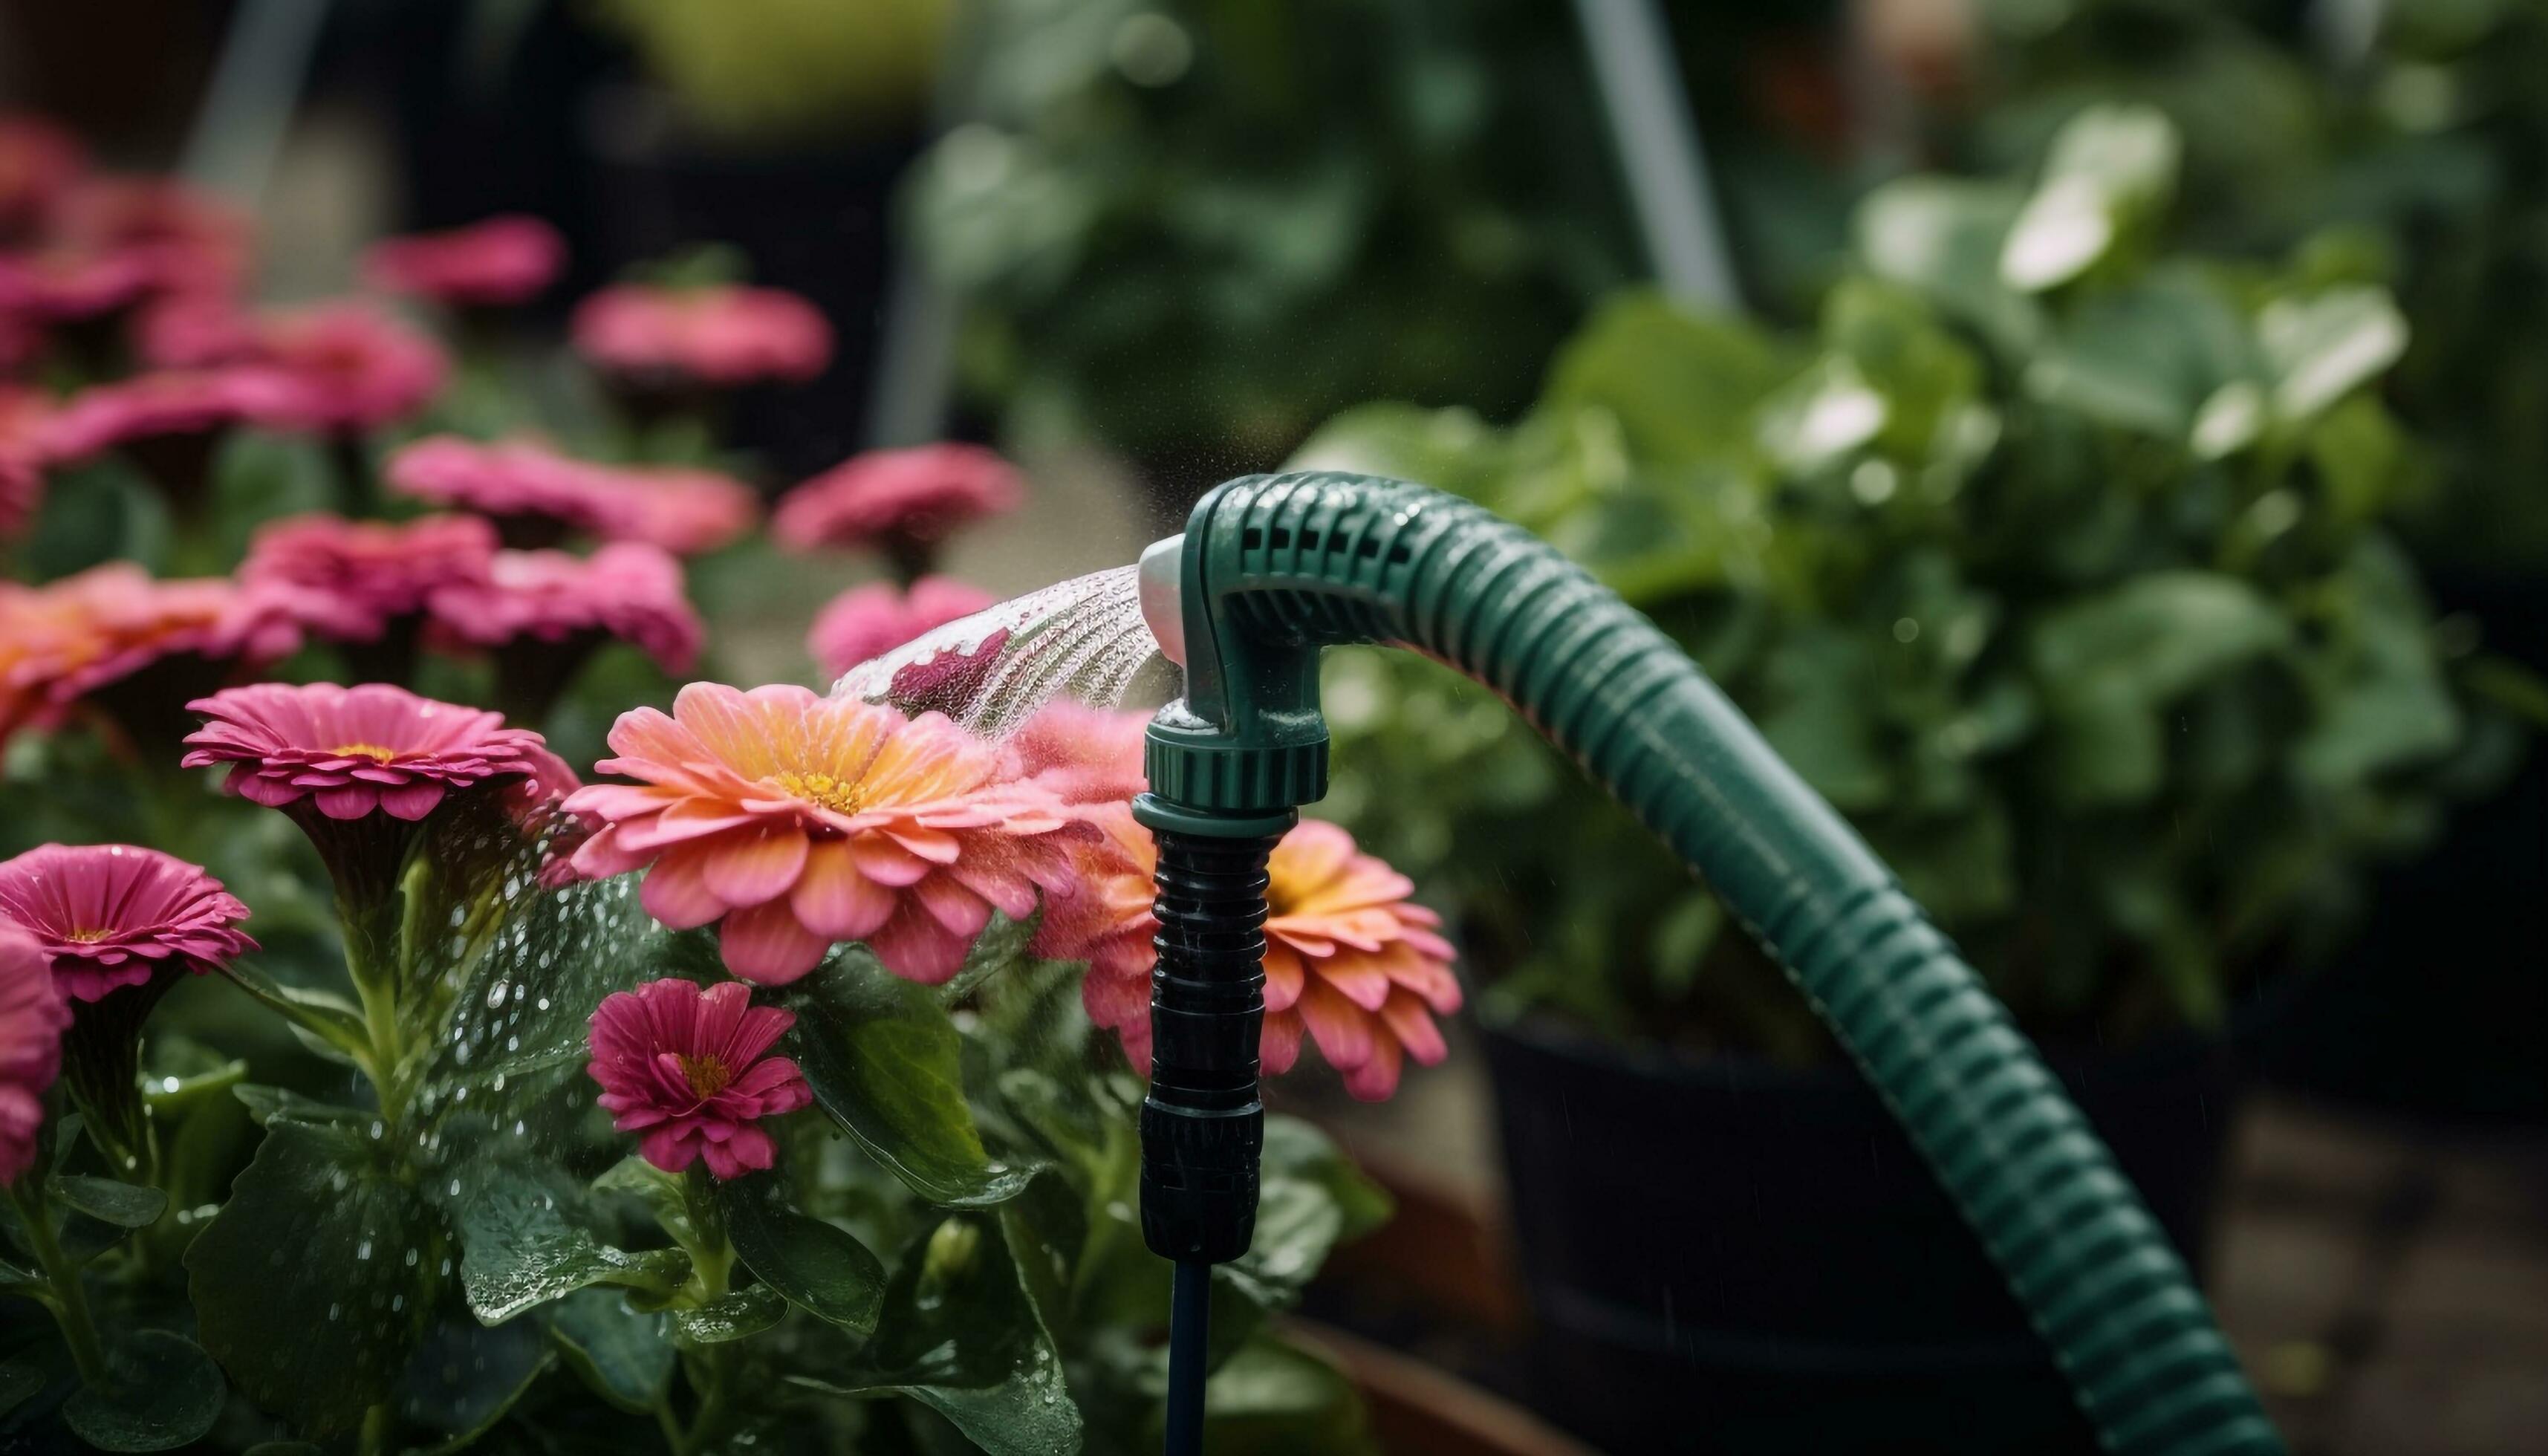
(1725, 1255)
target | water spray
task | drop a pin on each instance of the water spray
(1274, 569)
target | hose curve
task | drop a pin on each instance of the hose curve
(1300, 562)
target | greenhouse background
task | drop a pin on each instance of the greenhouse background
(2102, 444)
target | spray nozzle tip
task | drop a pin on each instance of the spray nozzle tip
(1162, 593)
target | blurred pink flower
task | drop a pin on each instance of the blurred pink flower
(21, 466)
(39, 161)
(687, 1068)
(193, 330)
(115, 915)
(1084, 754)
(360, 368)
(64, 641)
(58, 284)
(348, 580)
(352, 751)
(535, 493)
(918, 495)
(871, 620)
(625, 589)
(1349, 960)
(723, 334)
(486, 264)
(800, 821)
(169, 404)
(32, 1017)
(190, 240)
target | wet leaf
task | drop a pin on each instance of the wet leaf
(161, 1391)
(526, 1239)
(731, 1317)
(466, 1376)
(624, 1354)
(960, 1334)
(886, 1061)
(265, 1104)
(125, 1205)
(1270, 1398)
(312, 1283)
(820, 1268)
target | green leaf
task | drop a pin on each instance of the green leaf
(125, 1205)
(1943, 236)
(20, 1376)
(2325, 346)
(2111, 166)
(267, 1104)
(526, 1239)
(624, 1354)
(960, 1334)
(2109, 663)
(324, 1015)
(886, 1061)
(1682, 386)
(737, 1316)
(1272, 1398)
(820, 1268)
(466, 1376)
(312, 1283)
(161, 1391)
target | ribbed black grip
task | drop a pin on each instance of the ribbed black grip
(1201, 1127)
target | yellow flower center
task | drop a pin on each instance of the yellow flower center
(88, 935)
(839, 795)
(371, 751)
(706, 1075)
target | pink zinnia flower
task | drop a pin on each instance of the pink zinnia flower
(1084, 754)
(869, 621)
(536, 495)
(104, 627)
(486, 264)
(32, 1017)
(60, 285)
(116, 915)
(21, 473)
(686, 1066)
(797, 821)
(916, 495)
(191, 240)
(39, 161)
(722, 335)
(1349, 960)
(352, 751)
(349, 581)
(193, 330)
(359, 367)
(624, 589)
(170, 404)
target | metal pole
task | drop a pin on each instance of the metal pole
(1658, 149)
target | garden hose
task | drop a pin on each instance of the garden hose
(1274, 569)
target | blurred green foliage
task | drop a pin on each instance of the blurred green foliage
(1198, 228)
(2057, 561)
(778, 69)
(2418, 131)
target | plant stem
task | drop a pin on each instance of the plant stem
(375, 1438)
(70, 1298)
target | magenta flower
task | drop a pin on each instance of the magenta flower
(39, 162)
(22, 465)
(191, 404)
(624, 589)
(115, 915)
(194, 331)
(32, 1017)
(869, 621)
(358, 367)
(886, 497)
(192, 241)
(488, 264)
(686, 1068)
(351, 581)
(352, 751)
(536, 495)
(60, 285)
(722, 335)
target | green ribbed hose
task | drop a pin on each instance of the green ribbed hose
(1273, 569)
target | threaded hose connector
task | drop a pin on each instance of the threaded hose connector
(1203, 1128)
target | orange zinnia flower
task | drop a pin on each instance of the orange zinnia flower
(1349, 960)
(794, 821)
